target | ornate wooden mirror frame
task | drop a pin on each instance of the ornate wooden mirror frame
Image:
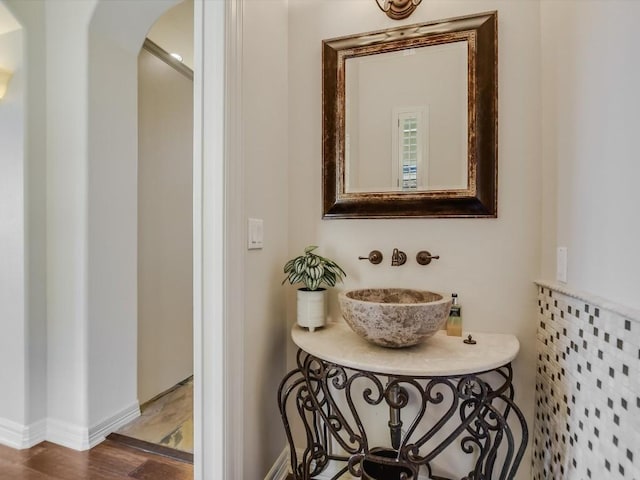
(480, 198)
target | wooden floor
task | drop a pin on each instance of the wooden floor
(107, 461)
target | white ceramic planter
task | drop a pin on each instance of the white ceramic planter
(312, 308)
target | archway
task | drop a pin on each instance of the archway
(165, 235)
(116, 33)
(75, 347)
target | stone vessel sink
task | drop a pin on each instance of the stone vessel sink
(394, 317)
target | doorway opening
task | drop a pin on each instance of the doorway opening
(165, 238)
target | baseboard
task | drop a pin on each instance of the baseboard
(81, 438)
(19, 436)
(99, 432)
(35, 433)
(280, 469)
(67, 434)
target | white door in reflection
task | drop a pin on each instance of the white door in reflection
(409, 148)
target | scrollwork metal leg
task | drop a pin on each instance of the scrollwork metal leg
(305, 392)
(494, 433)
(475, 415)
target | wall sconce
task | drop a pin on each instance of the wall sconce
(398, 9)
(5, 76)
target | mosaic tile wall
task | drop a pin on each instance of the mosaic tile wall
(587, 423)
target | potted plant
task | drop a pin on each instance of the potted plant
(313, 271)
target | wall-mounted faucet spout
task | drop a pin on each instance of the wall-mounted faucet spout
(398, 258)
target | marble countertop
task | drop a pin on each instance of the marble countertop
(439, 355)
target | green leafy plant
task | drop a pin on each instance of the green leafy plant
(313, 270)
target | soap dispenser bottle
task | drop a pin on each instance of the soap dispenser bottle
(454, 324)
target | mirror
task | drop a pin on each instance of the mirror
(410, 121)
(420, 128)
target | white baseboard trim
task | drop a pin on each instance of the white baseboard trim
(98, 432)
(11, 433)
(19, 436)
(35, 433)
(82, 438)
(280, 468)
(67, 434)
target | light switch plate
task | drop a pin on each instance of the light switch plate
(561, 264)
(255, 234)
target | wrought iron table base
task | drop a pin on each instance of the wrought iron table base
(476, 407)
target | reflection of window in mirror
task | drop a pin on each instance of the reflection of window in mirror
(409, 155)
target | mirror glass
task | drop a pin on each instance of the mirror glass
(406, 120)
(410, 118)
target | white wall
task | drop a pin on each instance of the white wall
(116, 33)
(265, 137)
(32, 15)
(35, 187)
(165, 230)
(112, 228)
(30, 330)
(67, 221)
(90, 234)
(87, 344)
(13, 325)
(491, 264)
(590, 104)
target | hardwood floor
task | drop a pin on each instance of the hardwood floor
(107, 461)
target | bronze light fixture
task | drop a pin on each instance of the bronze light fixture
(398, 9)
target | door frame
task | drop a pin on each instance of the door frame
(218, 228)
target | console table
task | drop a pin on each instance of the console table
(442, 394)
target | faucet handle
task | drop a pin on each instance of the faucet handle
(424, 258)
(375, 257)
